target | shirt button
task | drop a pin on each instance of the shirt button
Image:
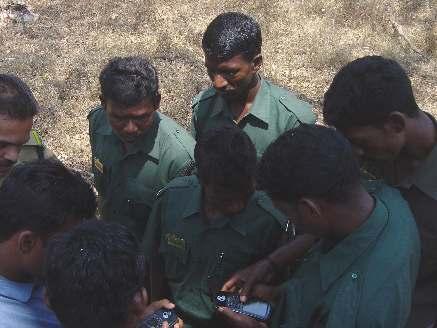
(354, 276)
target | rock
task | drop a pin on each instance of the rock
(17, 11)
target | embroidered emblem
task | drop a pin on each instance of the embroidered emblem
(175, 241)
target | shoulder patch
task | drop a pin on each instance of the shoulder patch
(202, 96)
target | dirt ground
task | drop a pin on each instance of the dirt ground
(305, 43)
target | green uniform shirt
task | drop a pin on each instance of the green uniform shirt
(192, 250)
(364, 281)
(127, 182)
(418, 185)
(274, 111)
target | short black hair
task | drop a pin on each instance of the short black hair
(92, 274)
(365, 92)
(231, 34)
(226, 157)
(16, 98)
(43, 196)
(128, 81)
(309, 161)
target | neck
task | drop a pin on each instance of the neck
(241, 106)
(421, 137)
(8, 266)
(351, 216)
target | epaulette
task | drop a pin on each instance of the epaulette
(202, 96)
(92, 111)
(266, 204)
(299, 107)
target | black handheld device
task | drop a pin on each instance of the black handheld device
(156, 319)
(256, 309)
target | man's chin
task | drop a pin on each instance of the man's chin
(230, 95)
(129, 140)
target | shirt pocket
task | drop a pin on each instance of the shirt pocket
(138, 204)
(175, 260)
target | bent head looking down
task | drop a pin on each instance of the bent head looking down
(17, 109)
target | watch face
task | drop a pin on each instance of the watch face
(166, 315)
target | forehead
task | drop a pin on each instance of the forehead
(15, 131)
(361, 132)
(143, 108)
(231, 63)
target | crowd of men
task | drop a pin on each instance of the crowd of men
(333, 226)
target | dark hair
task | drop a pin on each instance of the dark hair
(128, 81)
(92, 274)
(226, 157)
(311, 160)
(16, 98)
(42, 196)
(366, 91)
(231, 34)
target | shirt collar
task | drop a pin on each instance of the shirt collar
(260, 106)
(21, 292)
(193, 206)
(425, 176)
(334, 263)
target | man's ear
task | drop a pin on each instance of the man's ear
(102, 102)
(308, 207)
(257, 62)
(395, 123)
(27, 240)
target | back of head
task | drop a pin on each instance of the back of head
(16, 98)
(42, 197)
(309, 161)
(231, 34)
(366, 91)
(128, 81)
(92, 274)
(226, 157)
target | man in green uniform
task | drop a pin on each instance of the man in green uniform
(204, 228)
(136, 150)
(18, 141)
(371, 102)
(240, 96)
(361, 273)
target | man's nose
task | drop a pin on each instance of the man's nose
(130, 127)
(219, 82)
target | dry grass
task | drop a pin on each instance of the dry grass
(305, 43)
